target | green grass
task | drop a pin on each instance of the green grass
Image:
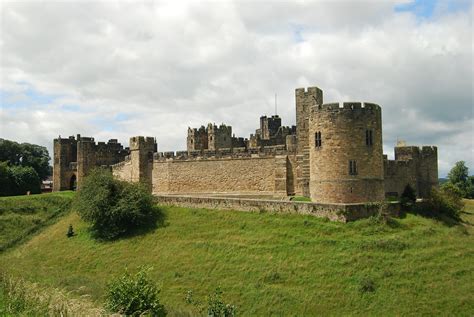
(21, 216)
(300, 198)
(268, 264)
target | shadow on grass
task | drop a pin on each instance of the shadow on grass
(446, 220)
(155, 221)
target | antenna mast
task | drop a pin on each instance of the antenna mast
(276, 104)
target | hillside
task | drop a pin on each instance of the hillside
(22, 216)
(270, 264)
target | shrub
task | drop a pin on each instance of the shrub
(216, 306)
(408, 196)
(134, 295)
(446, 201)
(113, 207)
(367, 285)
(70, 232)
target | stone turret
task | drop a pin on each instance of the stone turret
(346, 159)
(141, 156)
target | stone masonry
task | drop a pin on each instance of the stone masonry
(333, 155)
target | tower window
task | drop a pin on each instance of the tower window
(317, 138)
(352, 167)
(369, 141)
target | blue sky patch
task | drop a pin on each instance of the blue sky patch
(426, 8)
(26, 98)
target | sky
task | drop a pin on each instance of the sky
(116, 69)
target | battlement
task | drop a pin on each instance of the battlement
(415, 152)
(308, 91)
(347, 106)
(141, 142)
(238, 152)
(222, 128)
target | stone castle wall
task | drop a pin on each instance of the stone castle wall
(313, 159)
(243, 175)
(264, 175)
(417, 166)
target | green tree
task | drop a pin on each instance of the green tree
(114, 207)
(447, 200)
(470, 187)
(459, 177)
(459, 173)
(26, 154)
(6, 180)
(25, 179)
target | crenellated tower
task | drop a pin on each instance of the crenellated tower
(141, 156)
(346, 158)
(219, 137)
(64, 163)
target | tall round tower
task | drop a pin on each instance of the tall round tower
(346, 156)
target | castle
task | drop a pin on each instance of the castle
(333, 155)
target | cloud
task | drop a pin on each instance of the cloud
(117, 69)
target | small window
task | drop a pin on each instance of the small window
(211, 138)
(317, 138)
(191, 141)
(369, 141)
(352, 167)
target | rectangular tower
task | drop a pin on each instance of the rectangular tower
(305, 98)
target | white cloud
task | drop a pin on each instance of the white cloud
(163, 66)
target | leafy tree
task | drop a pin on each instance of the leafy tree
(470, 187)
(447, 200)
(26, 154)
(114, 207)
(6, 181)
(25, 179)
(459, 177)
(134, 295)
(17, 180)
(459, 173)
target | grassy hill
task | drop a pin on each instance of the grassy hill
(21, 216)
(270, 264)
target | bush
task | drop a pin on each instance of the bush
(408, 196)
(216, 306)
(134, 295)
(113, 207)
(446, 201)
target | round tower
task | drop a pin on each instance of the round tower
(346, 156)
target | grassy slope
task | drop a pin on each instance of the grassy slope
(21, 216)
(280, 264)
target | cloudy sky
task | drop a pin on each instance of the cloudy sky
(116, 69)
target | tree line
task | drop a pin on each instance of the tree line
(22, 167)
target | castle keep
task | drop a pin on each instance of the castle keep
(333, 155)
